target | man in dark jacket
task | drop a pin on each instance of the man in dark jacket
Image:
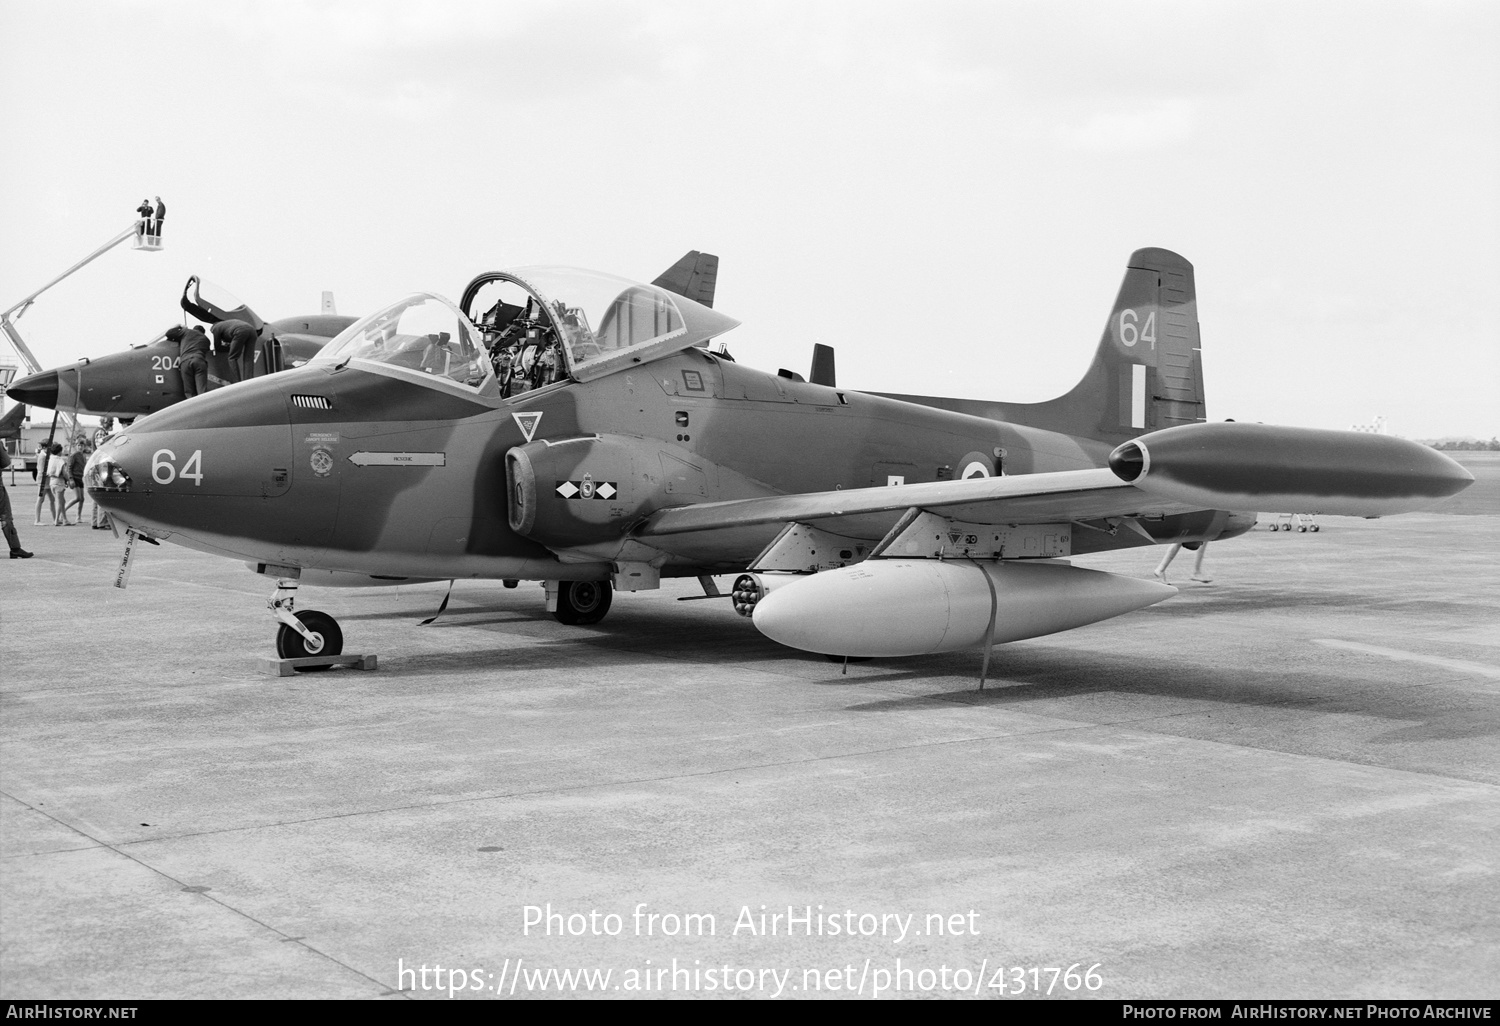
(7, 518)
(192, 361)
(242, 341)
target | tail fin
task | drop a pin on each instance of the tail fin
(1146, 374)
(10, 424)
(822, 366)
(694, 276)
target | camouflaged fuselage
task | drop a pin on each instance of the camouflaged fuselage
(385, 474)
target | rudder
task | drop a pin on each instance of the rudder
(1147, 372)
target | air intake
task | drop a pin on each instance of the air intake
(312, 402)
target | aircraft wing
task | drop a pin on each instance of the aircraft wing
(1254, 467)
(870, 512)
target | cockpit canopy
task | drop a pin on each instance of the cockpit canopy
(525, 329)
(211, 303)
(585, 323)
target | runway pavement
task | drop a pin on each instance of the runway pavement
(1282, 784)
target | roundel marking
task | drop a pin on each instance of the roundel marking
(975, 464)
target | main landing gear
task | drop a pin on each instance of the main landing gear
(579, 602)
(308, 633)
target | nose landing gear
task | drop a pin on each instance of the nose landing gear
(319, 635)
(308, 633)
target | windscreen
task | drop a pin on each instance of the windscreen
(424, 334)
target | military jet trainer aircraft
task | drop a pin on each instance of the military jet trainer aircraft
(573, 428)
(144, 378)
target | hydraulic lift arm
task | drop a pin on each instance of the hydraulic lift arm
(8, 327)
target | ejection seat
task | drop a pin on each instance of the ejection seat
(437, 358)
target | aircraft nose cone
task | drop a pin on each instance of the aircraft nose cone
(36, 390)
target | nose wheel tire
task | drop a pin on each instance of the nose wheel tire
(328, 640)
(583, 602)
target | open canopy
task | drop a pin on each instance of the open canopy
(598, 323)
(211, 303)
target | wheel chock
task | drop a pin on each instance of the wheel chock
(287, 667)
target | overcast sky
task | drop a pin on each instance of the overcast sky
(945, 192)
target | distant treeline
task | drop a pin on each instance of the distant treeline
(1470, 445)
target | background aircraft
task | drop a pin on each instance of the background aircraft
(144, 378)
(572, 427)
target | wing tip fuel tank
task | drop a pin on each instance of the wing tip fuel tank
(1289, 470)
(903, 607)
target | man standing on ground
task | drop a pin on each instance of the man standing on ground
(44, 484)
(7, 518)
(78, 459)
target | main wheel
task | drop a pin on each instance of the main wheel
(327, 638)
(583, 602)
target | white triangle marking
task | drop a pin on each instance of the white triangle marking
(528, 422)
